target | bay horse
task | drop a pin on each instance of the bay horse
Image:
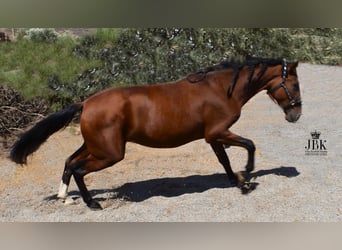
(202, 105)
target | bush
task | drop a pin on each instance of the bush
(41, 35)
(142, 56)
(146, 56)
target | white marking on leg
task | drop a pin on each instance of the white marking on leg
(63, 191)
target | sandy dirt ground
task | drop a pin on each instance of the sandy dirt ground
(187, 183)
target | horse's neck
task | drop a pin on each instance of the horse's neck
(243, 98)
(245, 90)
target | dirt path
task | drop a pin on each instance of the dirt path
(188, 184)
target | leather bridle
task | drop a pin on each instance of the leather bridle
(293, 102)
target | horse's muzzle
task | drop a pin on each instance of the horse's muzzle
(292, 116)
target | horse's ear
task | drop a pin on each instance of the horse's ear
(292, 68)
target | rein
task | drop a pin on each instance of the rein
(293, 102)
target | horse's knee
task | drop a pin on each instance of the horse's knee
(251, 146)
(248, 144)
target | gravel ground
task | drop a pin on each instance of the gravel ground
(187, 183)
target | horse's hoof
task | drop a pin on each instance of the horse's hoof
(94, 205)
(248, 187)
(241, 179)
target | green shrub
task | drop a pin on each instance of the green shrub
(27, 66)
(69, 70)
(42, 35)
(146, 56)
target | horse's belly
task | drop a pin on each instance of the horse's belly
(164, 138)
(162, 143)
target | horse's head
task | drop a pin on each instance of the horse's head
(285, 91)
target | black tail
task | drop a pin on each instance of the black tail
(36, 136)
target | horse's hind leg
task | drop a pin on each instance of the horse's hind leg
(106, 146)
(81, 168)
(81, 153)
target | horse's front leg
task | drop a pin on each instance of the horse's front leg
(228, 138)
(235, 140)
(235, 179)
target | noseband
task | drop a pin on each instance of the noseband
(293, 102)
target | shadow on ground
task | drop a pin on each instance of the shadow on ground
(176, 186)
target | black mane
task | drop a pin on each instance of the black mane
(237, 65)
